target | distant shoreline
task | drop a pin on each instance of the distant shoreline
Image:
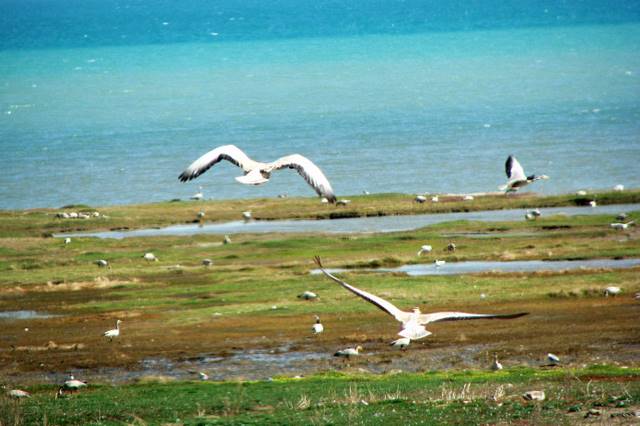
(136, 216)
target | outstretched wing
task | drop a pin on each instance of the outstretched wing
(514, 169)
(459, 316)
(388, 307)
(309, 171)
(230, 153)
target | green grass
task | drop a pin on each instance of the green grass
(469, 397)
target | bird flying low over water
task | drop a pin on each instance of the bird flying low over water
(256, 173)
(516, 176)
(413, 322)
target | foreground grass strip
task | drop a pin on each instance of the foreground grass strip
(472, 397)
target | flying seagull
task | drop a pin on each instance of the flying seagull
(413, 322)
(256, 173)
(516, 176)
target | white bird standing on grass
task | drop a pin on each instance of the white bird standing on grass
(67, 240)
(317, 328)
(73, 384)
(496, 366)
(103, 263)
(621, 226)
(413, 322)
(516, 176)
(425, 249)
(612, 291)
(18, 394)
(150, 257)
(256, 173)
(113, 332)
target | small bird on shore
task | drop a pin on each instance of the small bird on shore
(103, 263)
(496, 366)
(317, 328)
(198, 195)
(612, 291)
(553, 359)
(67, 240)
(451, 247)
(150, 257)
(349, 352)
(257, 173)
(402, 343)
(435, 199)
(113, 332)
(412, 322)
(343, 202)
(203, 376)
(439, 263)
(201, 215)
(528, 216)
(516, 176)
(425, 249)
(207, 262)
(593, 203)
(420, 199)
(468, 198)
(246, 216)
(621, 226)
(226, 240)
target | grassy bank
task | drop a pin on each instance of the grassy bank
(40, 222)
(471, 397)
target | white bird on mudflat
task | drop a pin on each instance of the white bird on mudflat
(150, 257)
(496, 366)
(317, 328)
(439, 263)
(349, 352)
(198, 195)
(402, 343)
(246, 215)
(413, 322)
(516, 176)
(113, 332)
(553, 359)
(621, 226)
(425, 249)
(256, 173)
(612, 291)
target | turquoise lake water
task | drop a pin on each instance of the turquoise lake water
(107, 102)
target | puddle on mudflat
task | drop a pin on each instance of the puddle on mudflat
(473, 267)
(352, 225)
(24, 315)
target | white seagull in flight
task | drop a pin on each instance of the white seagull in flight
(413, 322)
(256, 173)
(517, 178)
